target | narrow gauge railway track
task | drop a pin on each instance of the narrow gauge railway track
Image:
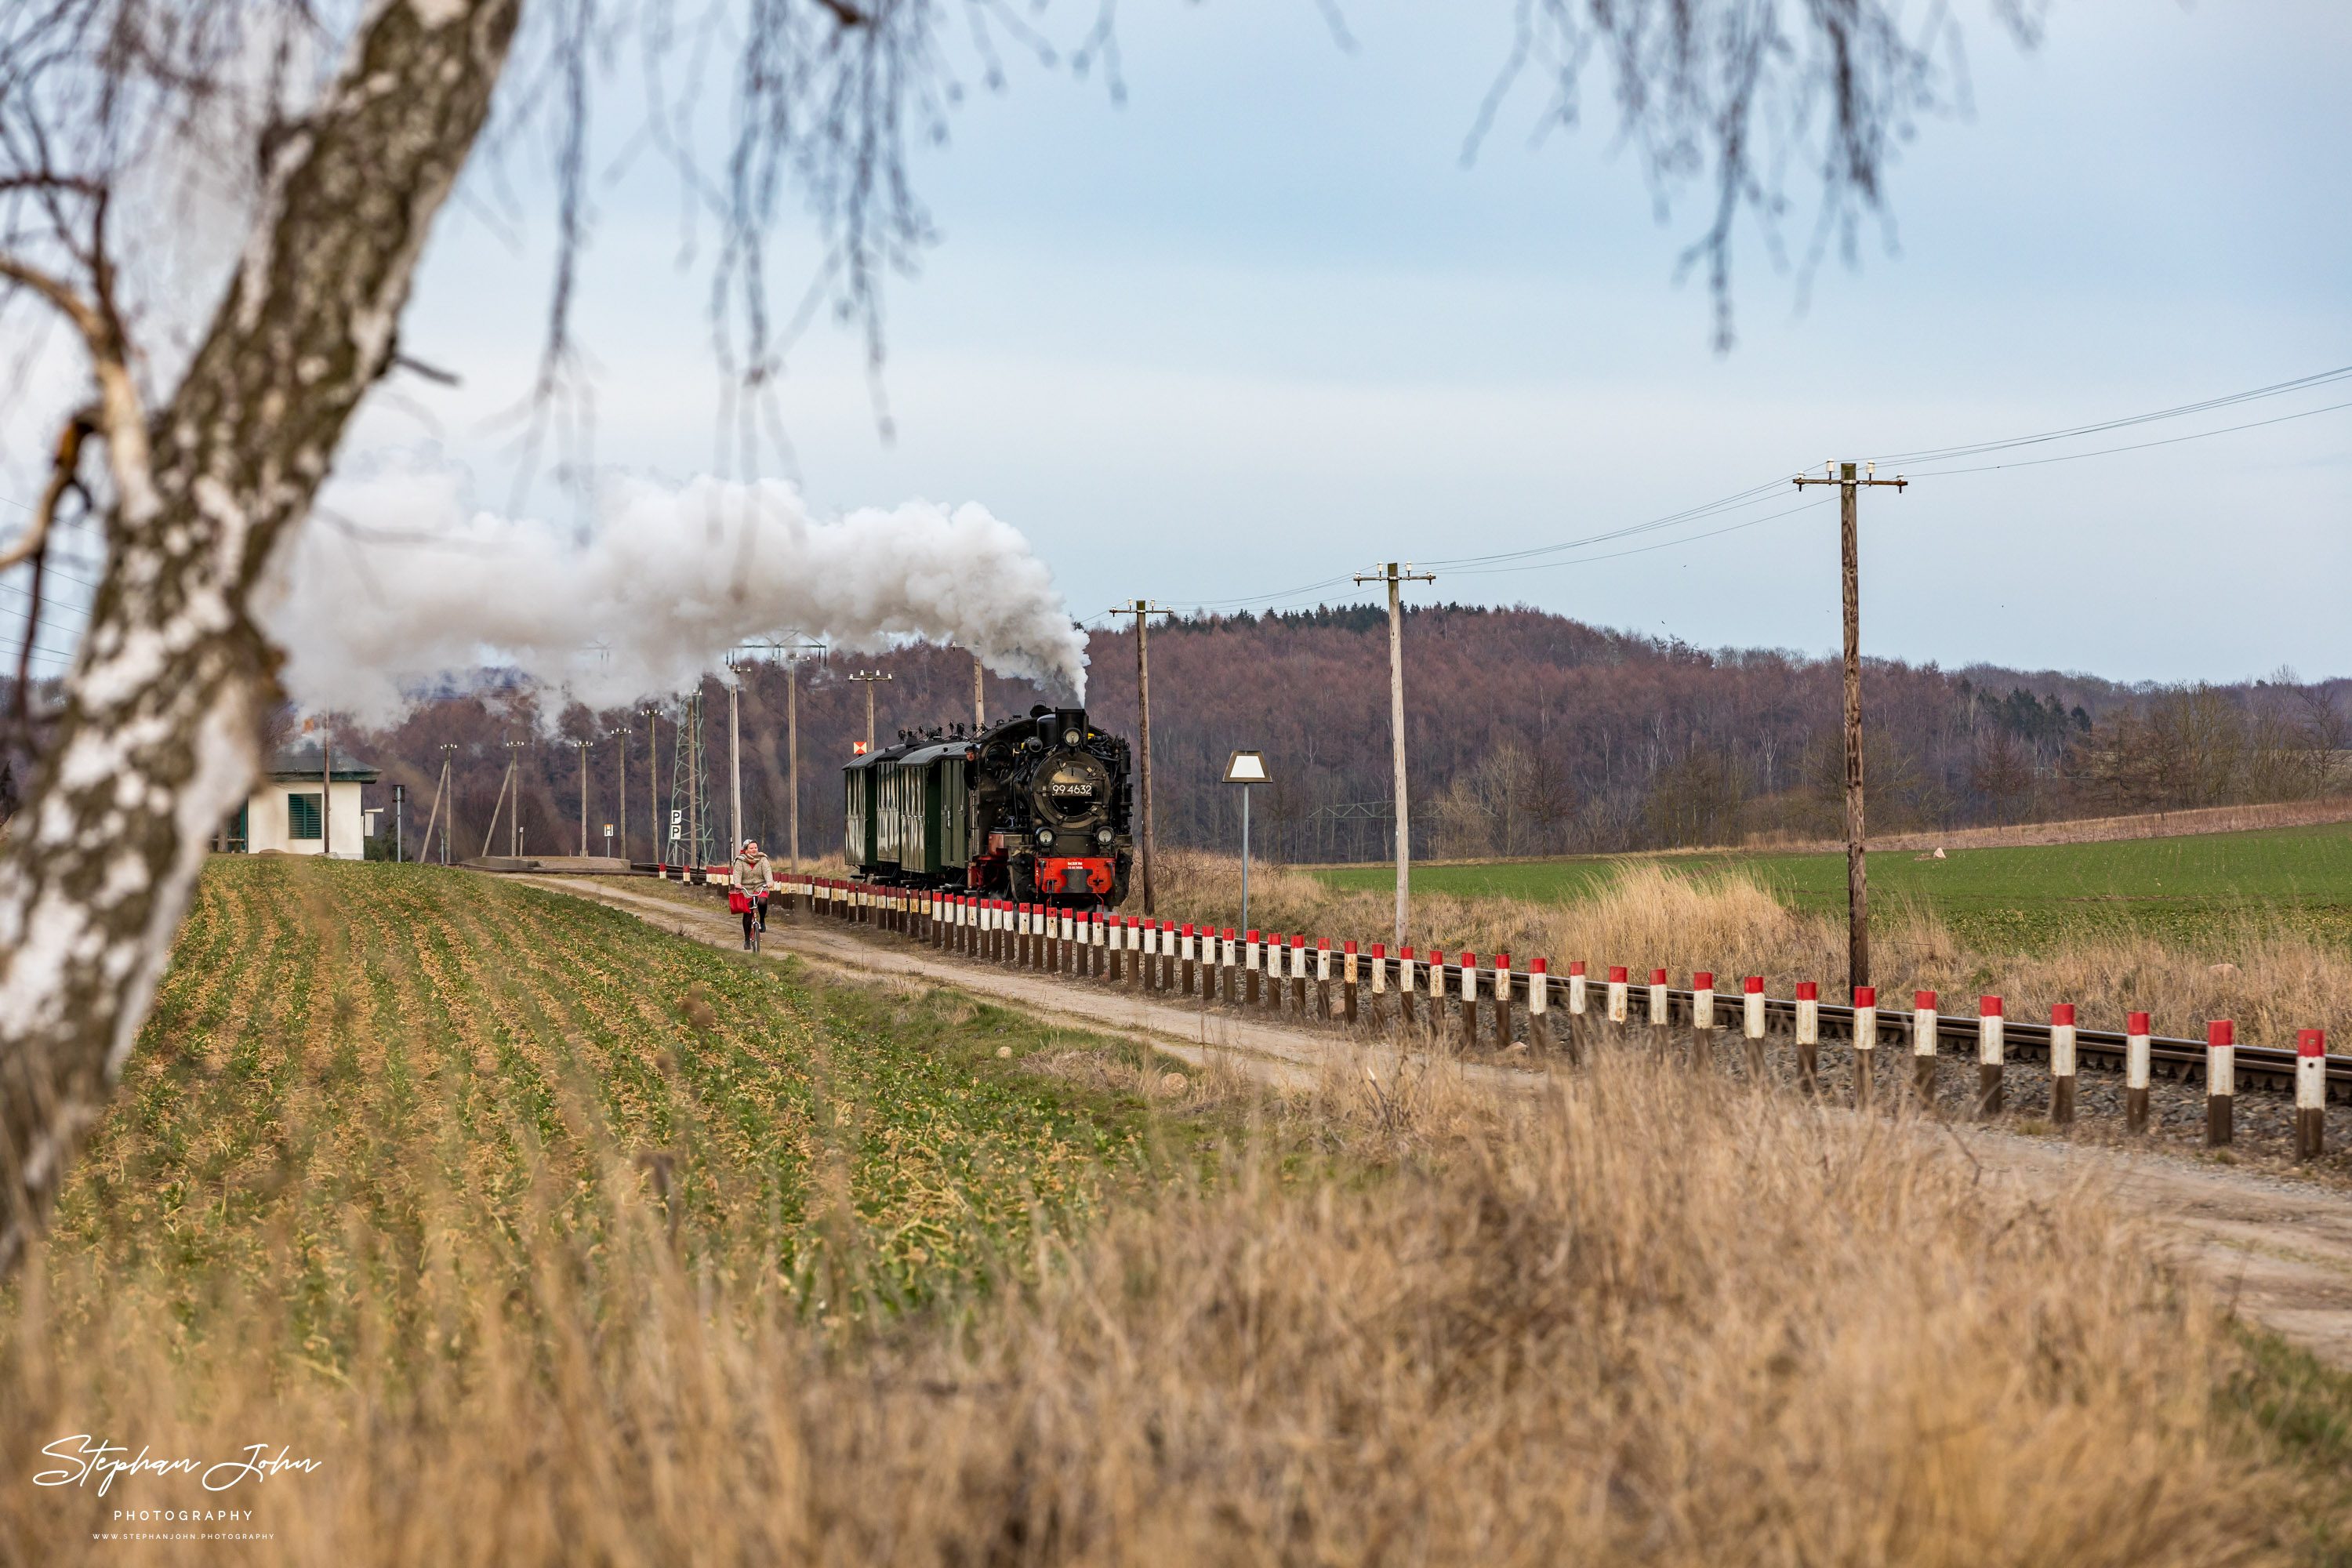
(936, 918)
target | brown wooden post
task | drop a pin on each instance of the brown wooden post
(2221, 1080)
(1323, 979)
(1809, 1036)
(2062, 1064)
(1992, 1058)
(2310, 1094)
(1865, 1044)
(2136, 1073)
(1348, 985)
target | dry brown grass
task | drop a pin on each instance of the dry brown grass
(1641, 1320)
(1651, 915)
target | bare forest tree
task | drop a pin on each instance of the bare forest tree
(320, 141)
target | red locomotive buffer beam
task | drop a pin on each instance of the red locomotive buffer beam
(1070, 878)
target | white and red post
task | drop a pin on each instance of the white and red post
(1865, 1044)
(2062, 1064)
(1808, 1035)
(2310, 1094)
(2136, 1073)
(1990, 1057)
(1751, 1023)
(2220, 1082)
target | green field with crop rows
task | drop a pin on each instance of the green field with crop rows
(2296, 877)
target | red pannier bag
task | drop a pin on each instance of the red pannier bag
(739, 901)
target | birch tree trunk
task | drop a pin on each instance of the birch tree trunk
(159, 738)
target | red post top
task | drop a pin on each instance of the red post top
(1188, 927)
(1502, 960)
(2311, 1042)
(1350, 947)
(1657, 977)
(1168, 925)
(1469, 960)
(1437, 958)
(1755, 984)
(1865, 995)
(1925, 1001)
(1229, 933)
(1299, 942)
(1322, 944)
(1616, 974)
(2135, 1024)
(2061, 1013)
(1252, 937)
(1988, 1006)
(1406, 955)
(1702, 980)
(2221, 1032)
(1808, 991)
(1542, 966)
(1379, 950)
(1576, 966)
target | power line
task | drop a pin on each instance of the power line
(2135, 446)
(2277, 389)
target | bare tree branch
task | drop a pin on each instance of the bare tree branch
(61, 479)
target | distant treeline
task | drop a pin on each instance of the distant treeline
(1528, 733)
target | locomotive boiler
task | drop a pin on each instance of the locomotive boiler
(1036, 808)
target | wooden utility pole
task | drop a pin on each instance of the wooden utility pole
(622, 736)
(440, 791)
(584, 746)
(1142, 610)
(653, 783)
(1396, 576)
(869, 677)
(1857, 890)
(734, 763)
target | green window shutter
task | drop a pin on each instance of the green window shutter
(301, 816)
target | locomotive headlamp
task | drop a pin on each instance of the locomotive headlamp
(1045, 837)
(1071, 738)
(1102, 835)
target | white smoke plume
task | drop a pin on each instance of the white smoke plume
(399, 583)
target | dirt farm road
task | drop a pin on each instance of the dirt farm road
(2277, 1248)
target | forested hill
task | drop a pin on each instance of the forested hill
(1528, 733)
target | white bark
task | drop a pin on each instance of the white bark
(158, 741)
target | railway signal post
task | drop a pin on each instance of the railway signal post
(1396, 575)
(1143, 610)
(1849, 478)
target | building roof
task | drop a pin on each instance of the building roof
(302, 766)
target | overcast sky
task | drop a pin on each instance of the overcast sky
(1257, 327)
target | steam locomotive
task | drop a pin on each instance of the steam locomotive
(1038, 808)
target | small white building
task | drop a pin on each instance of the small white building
(282, 812)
